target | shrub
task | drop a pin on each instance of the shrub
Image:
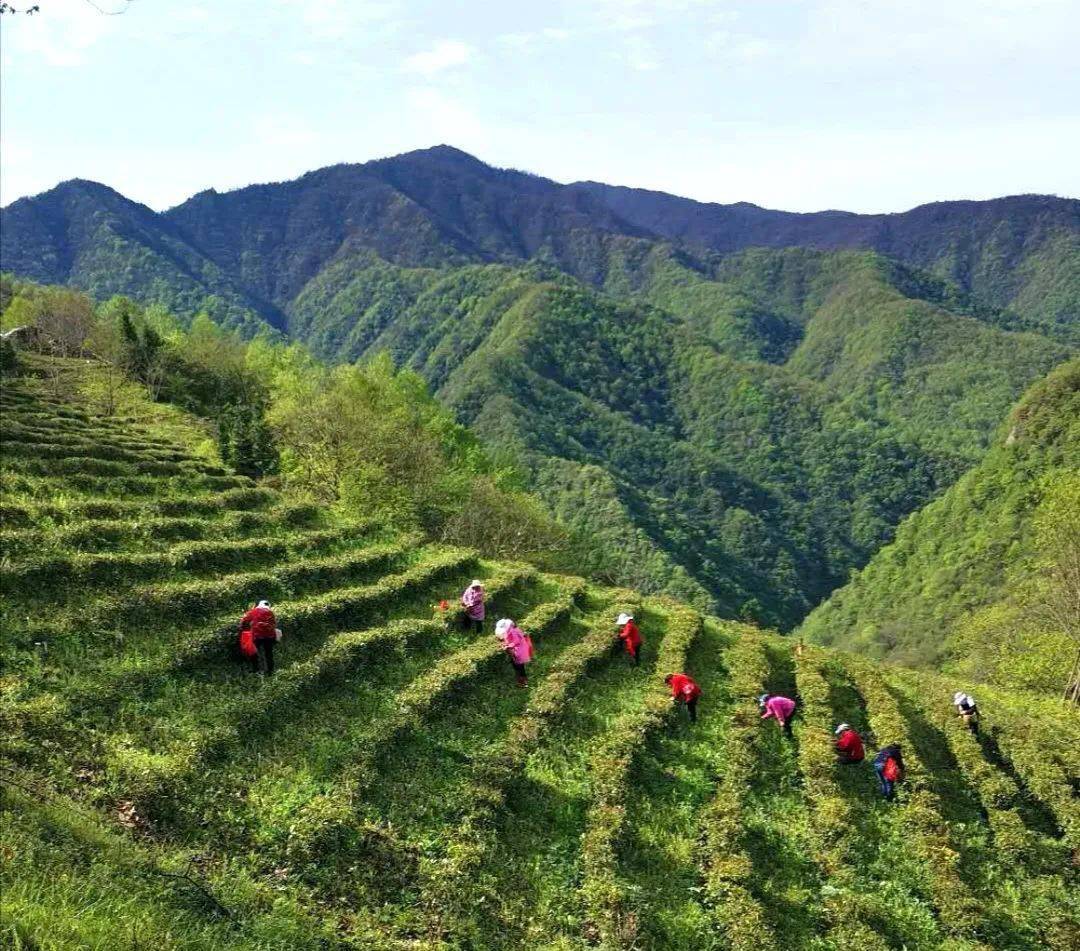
(326, 819)
(727, 866)
(609, 768)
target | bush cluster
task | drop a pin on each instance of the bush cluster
(725, 861)
(609, 770)
(456, 881)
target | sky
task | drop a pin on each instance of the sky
(866, 105)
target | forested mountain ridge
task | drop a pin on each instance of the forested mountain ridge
(440, 206)
(91, 237)
(1020, 253)
(740, 427)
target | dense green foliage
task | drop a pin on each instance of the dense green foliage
(390, 786)
(965, 577)
(366, 440)
(753, 399)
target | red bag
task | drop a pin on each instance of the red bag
(247, 643)
(891, 771)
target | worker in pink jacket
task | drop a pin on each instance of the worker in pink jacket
(518, 645)
(473, 602)
(783, 708)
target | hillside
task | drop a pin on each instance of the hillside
(752, 421)
(1020, 254)
(89, 236)
(709, 402)
(441, 206)
(390, 787)
(952, 585)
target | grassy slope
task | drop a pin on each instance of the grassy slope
(390, 786)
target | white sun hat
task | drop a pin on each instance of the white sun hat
(842, 728)
(475, 584)
(264, 604)
(503, 626)
(624, 618)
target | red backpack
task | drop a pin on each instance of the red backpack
(247, 643)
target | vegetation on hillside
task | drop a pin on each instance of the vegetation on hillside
(755, 399)
(753, 428)
(972, 580)
(366, 440)
(389, 786)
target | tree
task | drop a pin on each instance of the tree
(64, 317)
(246, 441)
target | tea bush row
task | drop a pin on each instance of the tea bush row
(928, 834)
(325, 821)
(39, 446)
(95, 536)
(83, 467)
(48, 486)
(727, 867)
(54, 574)
(835, 829)
(200, 599)
(48, 717)
(247, 499)
(152, 789)
(1023, 742)
(456, 879)
(609, 769)
(338, 658)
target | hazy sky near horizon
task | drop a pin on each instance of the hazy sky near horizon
(867, 105)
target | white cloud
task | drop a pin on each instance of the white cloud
(443, 55)
(447, 119)
(739, 46)
(284, 132)
(516, 40)
(334, 20)
(640, 54)
(525, 40)
(633, 15)
(953, 31)
(62, 36)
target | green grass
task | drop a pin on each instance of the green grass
(673, 778)
(391, 786)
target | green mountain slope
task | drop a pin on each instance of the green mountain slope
(761, 418)
(391, 787)
(90, 237)
(971, 554)
(763, 475)
(1020, 254)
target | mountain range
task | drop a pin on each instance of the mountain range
(729, 403)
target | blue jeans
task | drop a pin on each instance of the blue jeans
(888, 787)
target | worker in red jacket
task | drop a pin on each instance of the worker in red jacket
(629, 636)
(849, 746)
(684, 690)
(261, 622)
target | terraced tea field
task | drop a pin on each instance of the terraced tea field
(390, 786)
